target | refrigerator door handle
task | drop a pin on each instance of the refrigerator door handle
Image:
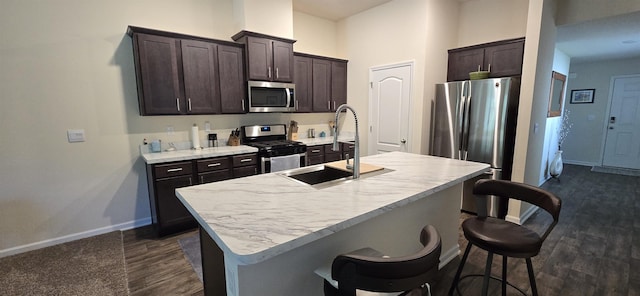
(464, 142)
(460, 120)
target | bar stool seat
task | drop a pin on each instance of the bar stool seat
(368, 272)
(502, 237)
(497, 236)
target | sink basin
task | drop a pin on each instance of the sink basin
(320, 174)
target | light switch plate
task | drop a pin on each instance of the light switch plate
(75, 135)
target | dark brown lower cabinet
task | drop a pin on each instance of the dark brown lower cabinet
(168, 214)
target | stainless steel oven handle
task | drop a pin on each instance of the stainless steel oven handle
(263, 160)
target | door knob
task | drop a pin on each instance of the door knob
(403, 141)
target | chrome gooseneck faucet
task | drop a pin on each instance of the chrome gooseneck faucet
(356, 152)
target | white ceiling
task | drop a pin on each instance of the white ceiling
(335, 9)
(608, 38)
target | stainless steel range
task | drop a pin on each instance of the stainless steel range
(276, 153)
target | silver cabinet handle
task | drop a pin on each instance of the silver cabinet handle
(201, 179)
(315, 151)
(329, 105)
(334, 105)
(214, 164)
(242, 105)
(245, 160)
(178, 103)
(174, 170)
(277, 73)
(296, 105)
(189, 103)
(190, 181)
(269, 72)
(489, 68)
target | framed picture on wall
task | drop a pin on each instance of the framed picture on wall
(582, 96)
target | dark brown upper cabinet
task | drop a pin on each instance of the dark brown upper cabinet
(501, 59)
(269, 58)
(321, 83)
(180, 74)
(303, 79)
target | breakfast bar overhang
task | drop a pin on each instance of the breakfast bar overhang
(266, 234)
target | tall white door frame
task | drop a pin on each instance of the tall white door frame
(390, 87)
(607, 124)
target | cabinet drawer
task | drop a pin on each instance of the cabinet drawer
(214, 176)
(245, 171)
(213, 164)
(173, 169)
(329, 157)
(348, 146)
(245, 160)
(315, 150)
(318, 159)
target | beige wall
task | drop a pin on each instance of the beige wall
(273, 17)
(491, 20)
(315, 35)
(589, 120)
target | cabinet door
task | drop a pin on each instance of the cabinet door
(303, 79)
(462, 62)
(158, 78)
(172, 215)
(282, 61)
(201, 83)
(245, 171)
(232, 85)
(338, 84)
(505, 59)
(321, 85)
(348, 149)
(259, 58)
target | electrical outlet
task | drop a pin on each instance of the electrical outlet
(75, 135)
(170, 130)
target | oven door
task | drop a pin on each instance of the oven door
(271, 97)
(265, 164)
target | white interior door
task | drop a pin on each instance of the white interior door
(622, 144)
(390, 98)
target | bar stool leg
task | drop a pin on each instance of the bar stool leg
(487, 274)
(456, 278)
(532, 278)
(504, 275)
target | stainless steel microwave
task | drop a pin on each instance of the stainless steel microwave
(271, 96)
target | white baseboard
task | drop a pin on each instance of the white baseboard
(582, 163)
(523, 217)
(74, 236)
(447, 256)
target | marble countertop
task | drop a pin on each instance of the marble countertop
(168, 156)
(324, 140)
(258, 217)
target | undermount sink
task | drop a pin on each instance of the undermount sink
(320, 174)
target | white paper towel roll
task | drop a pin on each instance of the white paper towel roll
(195, 140)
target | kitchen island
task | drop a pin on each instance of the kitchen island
(266, 234)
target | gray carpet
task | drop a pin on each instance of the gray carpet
(191, 248)
(90, 266)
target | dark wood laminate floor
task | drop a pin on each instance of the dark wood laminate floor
(594, 250)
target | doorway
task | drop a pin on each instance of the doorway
(622, 142)
(389, 107)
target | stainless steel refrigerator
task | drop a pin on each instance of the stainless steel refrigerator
(475, 120)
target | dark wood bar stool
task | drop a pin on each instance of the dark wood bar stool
(366, 269)
(501, 237)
